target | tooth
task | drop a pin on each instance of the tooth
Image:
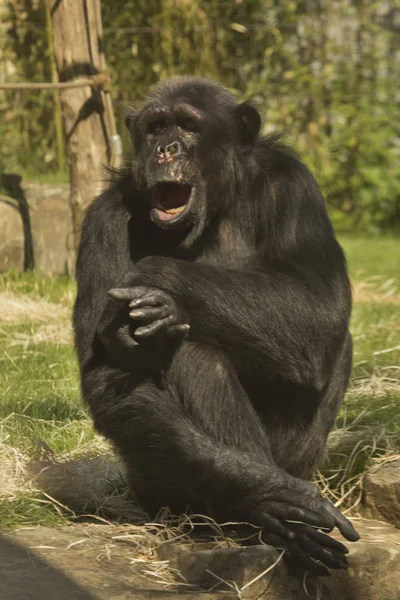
(173, 211)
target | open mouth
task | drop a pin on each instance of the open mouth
(169, 199)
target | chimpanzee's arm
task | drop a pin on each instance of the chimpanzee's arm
(282, 320)
(103, 327)
(103, 262)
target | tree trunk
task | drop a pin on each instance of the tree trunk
(57, 113)
(78, 53)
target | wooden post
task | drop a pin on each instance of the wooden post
(88, 123)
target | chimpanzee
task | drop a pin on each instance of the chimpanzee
(212, 321)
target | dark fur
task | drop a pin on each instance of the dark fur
(234, 418)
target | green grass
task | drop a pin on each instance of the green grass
(370, 412)
(376, 331)
(39, 387)
(372, 256)
(27, 510)
(40, 404)
(39, 286)
(40, 381)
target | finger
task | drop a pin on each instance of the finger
(294, 555)
(149, 314)
(296, 558)
(327, 529)
(328, 558)
(326, 519)
(132, 293)
(178, 331)
(286, 511)
(269, 522)
(326, 540)
(150, 298)
(315, 505)
(121, 294)
(343, 524)
(125, 337)
(148, 330)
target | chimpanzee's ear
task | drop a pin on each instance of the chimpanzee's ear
(131, 118)
(249, 121)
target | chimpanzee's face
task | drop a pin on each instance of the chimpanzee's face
(188, 138)
(168, 153)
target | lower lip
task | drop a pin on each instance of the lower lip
(163, 216)
(166, 217)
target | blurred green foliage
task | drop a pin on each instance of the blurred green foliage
(325, 73)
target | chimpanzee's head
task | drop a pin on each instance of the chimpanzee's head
(190, 138)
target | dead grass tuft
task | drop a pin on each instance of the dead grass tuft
(377, 290)
(17, 308)
(52, 321)
(376, 385)
(351, 448)
(60, 333)
(84, 482)
(148, 543)
(90, 486)
(13, 479)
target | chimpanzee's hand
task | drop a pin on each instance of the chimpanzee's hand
(115, 332)
(310, 550)
(128, 337)
(284, 499)
(279, 498)
(153, 312)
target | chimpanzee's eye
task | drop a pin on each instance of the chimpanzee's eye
(188, 124)
(155, 127)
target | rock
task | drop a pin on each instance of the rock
(51, 226)
(374, 565)
(48, 222)
(80, 563)
(11, 236)
(209, 567)
(374, 569)
(381, 492)
(105, 562)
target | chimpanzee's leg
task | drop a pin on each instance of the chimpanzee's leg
(287, 425)
(210, 390)
(177, 454)
(291, 430)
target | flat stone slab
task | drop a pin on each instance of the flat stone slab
(107, 562)
(381, 492)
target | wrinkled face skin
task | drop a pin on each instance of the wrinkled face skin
(168, 153)
(187, 142)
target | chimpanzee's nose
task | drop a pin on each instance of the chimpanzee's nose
(172, 149)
